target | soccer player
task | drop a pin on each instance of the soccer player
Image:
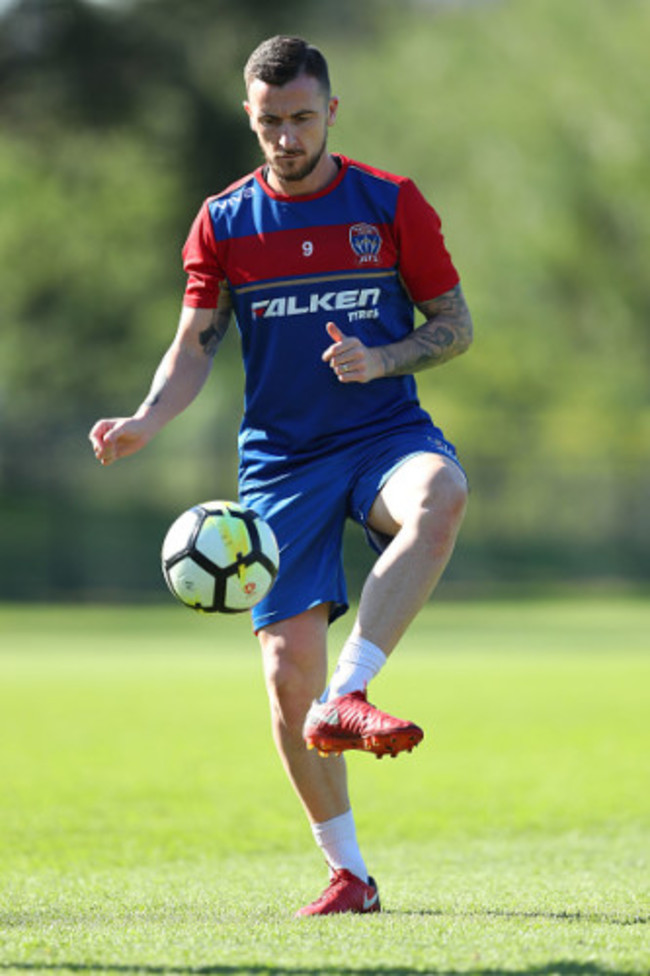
(323, 260)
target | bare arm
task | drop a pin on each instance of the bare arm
(446, 333)
(185, 366)
(179, 378)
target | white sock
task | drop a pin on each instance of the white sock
(337, 839)
(359, 661)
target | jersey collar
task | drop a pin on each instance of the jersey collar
(342, 162)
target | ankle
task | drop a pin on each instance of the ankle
(359, 662)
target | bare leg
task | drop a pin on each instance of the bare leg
(422, 507)
(295, 667)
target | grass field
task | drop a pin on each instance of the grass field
(146, 826)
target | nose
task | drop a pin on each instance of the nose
(287, 138)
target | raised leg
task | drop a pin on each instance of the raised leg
(422, 506)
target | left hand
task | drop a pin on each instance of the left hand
(351, 361)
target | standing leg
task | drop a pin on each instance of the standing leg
(294, 653)
(295, 666)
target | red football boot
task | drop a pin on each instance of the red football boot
(351, 722)
(344, 893)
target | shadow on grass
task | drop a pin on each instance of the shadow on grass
(562, 968)
(565, 967)
(552, 916)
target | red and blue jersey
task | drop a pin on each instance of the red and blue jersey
(359, 253)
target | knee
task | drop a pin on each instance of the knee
(454, 497)
(441, 513)
(291, 688)
(294, 654)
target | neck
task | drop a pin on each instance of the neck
(324, 173)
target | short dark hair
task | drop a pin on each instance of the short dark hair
(281, 59)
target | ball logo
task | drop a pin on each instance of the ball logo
(365, 241)
(220, 557)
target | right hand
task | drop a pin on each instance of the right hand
(118, 437)
(351, 360)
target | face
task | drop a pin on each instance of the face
(291, 125)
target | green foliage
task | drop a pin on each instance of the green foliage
(138, 833)
(525, 124)
(82, 255)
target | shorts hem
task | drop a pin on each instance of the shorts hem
(378, 541)
(337, 609)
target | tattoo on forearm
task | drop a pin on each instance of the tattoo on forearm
(446, 333)
(209, 340)
(444, 336)
(158, 383)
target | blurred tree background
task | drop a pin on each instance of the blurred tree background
(526, 125)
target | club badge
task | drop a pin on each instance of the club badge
(365, 241)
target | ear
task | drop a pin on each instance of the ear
(332, 109)
(249, 113)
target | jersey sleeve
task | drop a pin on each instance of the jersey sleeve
(425, 264)
(204, 273)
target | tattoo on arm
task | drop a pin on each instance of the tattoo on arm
(211, 337)
(446, 333)
(157, 384)
(209, 340)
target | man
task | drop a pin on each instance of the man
(323, 260)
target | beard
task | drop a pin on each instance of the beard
(292, 168)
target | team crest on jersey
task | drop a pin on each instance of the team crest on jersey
(365, 241)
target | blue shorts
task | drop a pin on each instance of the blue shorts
(307, 502)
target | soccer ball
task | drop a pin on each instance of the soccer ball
(220, 557)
